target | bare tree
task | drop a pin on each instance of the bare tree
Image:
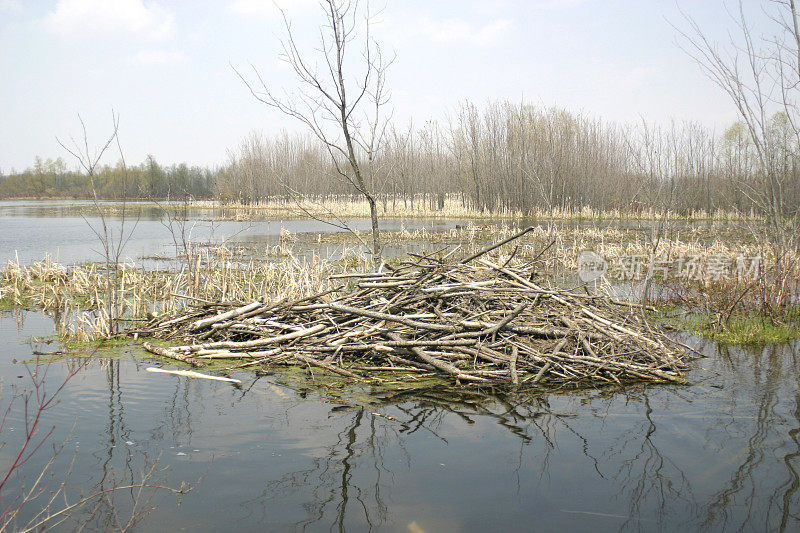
(113, 242)
(340, 96)
(657, 156)
(761, 76)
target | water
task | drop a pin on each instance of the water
(274, 454)
(277, 454)
(31, 229)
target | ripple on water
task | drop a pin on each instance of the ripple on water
(718, 454)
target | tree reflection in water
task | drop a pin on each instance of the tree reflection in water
(120, 461)
(721, 453)
(347, 483)
(760, 491)
(649, 481)
(702, 456)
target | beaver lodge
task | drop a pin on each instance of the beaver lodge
(473, 322)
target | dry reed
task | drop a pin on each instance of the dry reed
(453, 208)
(74, 295)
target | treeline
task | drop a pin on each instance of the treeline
(499, 158)
(52, 179)
(525, 159)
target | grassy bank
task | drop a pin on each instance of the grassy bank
(750, 328)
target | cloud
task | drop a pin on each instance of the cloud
(561, 5)
(10, 5)
(133, 16)
(159, 57)
(461, 31)
(271, 8)
(640, 77)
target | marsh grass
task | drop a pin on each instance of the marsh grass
(564, 242)
(75, 299)
(749, 330)
(736, 313)
(453, 207)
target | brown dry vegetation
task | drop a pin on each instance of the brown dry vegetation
(75, 294)
(451, 207)
(482, 324)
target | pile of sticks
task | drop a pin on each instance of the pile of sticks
(480, 323)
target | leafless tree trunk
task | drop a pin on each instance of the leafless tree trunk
(112, 242)
(349, 95)
(761, 76)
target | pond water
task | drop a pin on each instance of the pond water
(279, 454)
(31, 229)
(275, 454)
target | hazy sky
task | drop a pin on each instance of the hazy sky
(164, 66)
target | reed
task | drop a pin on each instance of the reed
(453, 207)
(564, 243)
(74, 295)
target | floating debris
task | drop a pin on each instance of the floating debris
(192, 374)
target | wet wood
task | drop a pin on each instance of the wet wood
(163, 352)
(224, 316)
(478, 324)
(192, 374)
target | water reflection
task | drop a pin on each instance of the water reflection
(721, 453)
(764, 424)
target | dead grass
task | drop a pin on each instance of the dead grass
(453, 208)
(75, 295)
(567, 241)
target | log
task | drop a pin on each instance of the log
(192, 374)
(441, 365)
(163, 352)
(233, 313)
(225, 354)
(232, 345)
(391, 318)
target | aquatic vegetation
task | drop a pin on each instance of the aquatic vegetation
(74, 296)
(452, 207)
(750, 330)
(219, 273)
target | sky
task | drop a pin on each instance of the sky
(166, 68)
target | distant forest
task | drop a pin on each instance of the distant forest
(501, 157)
(51, 178)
